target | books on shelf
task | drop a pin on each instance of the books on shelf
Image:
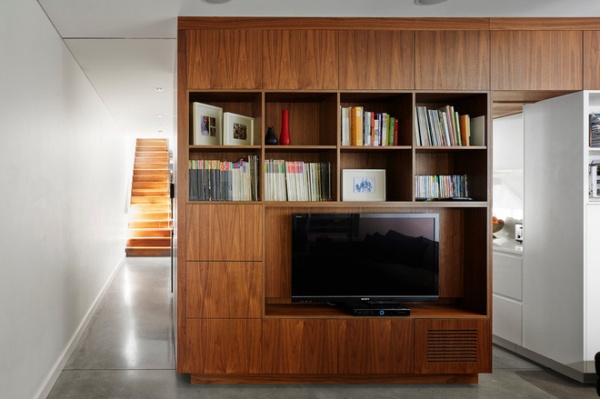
(215, 180)
(594, 130)
(446, 127)
(297, 180)
(361, 127)
(429, 187)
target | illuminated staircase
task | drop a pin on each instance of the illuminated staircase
(150, 208)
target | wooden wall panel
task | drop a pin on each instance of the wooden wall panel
(446, 60)
(224, 58)
(224, 290)
(221, 232)
(300, 59)
(222, 346)
(377, 59)
(536, 60)
(591, 60)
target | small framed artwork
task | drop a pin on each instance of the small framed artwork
(207, 124)
(237, 129)
(363, 185)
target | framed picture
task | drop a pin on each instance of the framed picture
(237, 129)
(363, 185)
(207, 124)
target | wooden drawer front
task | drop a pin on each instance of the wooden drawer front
(364, 346)
(508, 275)
(223, 290)
(452, 60)
(508, 319)
(224, 59)
(222, 346)
(377, 59)
(452, 346)
(300, 59)
(296, 346)
(536, 60)
(376, 346)
(224, 232)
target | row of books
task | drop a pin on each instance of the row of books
(367, 128)
(215, 180)
(446, 127)
(595, 130)
(297, 180)
(441, 186)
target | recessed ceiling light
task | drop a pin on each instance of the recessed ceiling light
(429, 2)
(215, 1)
(158, 89)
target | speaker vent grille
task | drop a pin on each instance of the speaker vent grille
(451, 346)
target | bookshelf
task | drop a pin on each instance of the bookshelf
(289, 342)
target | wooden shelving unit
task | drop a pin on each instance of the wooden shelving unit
(236, 321)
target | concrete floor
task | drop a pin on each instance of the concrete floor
(128, 352)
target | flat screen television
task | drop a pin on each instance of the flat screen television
(366, 258)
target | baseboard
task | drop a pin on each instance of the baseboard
(55, 371)
(584, 378)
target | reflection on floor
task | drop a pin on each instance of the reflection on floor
(128, 351)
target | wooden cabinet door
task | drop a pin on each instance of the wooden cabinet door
(219, 59)
(377, 59)
(452, 346)
(222, 232)
(448, 60)
(299, 346)
(536, 60)
(300, 59)
(591, 60)
(221, 346)
(376, 346)
(223, 289)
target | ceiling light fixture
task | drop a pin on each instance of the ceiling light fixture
(215, 1)
(158, 89)
(427, 2)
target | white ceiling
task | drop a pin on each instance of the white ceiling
(127, 48)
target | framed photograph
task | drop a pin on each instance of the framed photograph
(363, 185)
(237, 129)
(207, 124)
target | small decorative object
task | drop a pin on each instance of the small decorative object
(238, 129)
(284, 139)
(363, 185)
(271, 138)
(207, 124)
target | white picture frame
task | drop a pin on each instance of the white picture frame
(237, 129)
(363, 185)
(207, 123)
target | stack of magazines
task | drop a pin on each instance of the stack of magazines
(215, 180)
(297, 180)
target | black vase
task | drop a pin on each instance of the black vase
(271, 137)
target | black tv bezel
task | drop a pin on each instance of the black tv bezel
(369, 298)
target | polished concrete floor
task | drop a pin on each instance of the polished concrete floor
(128, 352)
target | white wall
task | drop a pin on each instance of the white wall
(62, 195)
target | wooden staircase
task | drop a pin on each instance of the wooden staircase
(150, 208)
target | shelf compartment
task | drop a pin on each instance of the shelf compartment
(448, 161)
(397, 164)
(398, 105)
(248, 103)
(312, 116)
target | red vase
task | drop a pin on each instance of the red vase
(284, 139)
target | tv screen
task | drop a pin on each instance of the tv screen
(342, 258)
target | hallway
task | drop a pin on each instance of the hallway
(128, 352)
